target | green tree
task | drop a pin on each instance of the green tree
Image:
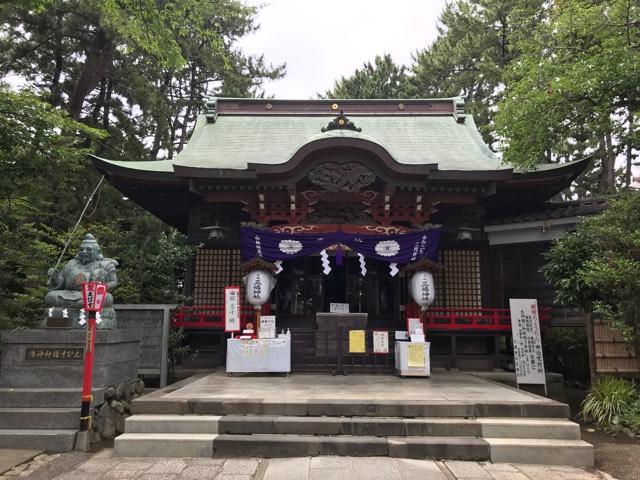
(596, 267)
(137, 70)
(39, 146)
(380, 79)
(477, 40)
(575, 89)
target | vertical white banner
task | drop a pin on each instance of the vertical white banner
(527, 344)
(231, 309)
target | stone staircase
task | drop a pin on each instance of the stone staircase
(511, 432)
(41, 418)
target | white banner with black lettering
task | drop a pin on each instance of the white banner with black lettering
(527, 344)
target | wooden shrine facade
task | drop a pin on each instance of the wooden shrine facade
(360, 166)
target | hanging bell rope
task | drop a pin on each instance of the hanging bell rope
(64, 250)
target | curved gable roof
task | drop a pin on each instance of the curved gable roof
(235, 141)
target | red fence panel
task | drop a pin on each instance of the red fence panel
(210, 316)
(492, 319)
(489, 319)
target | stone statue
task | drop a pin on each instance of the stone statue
(64, 299)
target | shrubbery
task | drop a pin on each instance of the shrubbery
(566, 351)
(613, 404)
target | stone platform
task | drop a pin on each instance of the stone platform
(451, 416)
(53, 358)
(41, 381)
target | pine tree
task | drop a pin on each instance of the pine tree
(380, 79)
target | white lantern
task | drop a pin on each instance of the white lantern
(258, 285)
(422, 289)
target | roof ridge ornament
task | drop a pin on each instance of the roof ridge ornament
(458, 110)
(341, 122)
(211, 109)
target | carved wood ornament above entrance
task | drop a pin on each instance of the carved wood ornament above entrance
(341, 177)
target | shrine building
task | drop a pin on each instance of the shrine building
(269, 180)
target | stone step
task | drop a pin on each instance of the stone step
(350, 408)
(40, 418)
(573, 453)
(357, 426)
(165, 445)
(47, 440)
(504, 450)
(46, 397)
(271, 446)
(172, 424)
(549, 428)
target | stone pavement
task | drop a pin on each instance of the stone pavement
(104, 465)
(445, 386)
(10, 457)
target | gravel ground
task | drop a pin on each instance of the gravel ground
(618, 456)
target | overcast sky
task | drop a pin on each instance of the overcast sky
(322, 40)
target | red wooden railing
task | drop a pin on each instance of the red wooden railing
(210, 316)
(491, 319)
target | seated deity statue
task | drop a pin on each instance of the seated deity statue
(65, 286)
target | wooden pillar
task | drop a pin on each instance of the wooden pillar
(591, 347)
(454, 351)
(496, 350)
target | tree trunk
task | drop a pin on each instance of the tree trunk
(606, 183)
(55, 92)
(106, 111)
(187, 114)
(628, 172)
(611, 165)
(99, 102)
(98, 61)
(160, 132)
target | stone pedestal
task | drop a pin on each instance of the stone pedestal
(53, 358)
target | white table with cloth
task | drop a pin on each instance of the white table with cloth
(407, 365)
(259, 355)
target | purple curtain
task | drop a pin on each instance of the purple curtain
(397, 248)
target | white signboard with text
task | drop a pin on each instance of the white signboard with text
(413, 325)
(380, 342)
(231, 309)
(267, 326)
(338, 308)
(527, 344)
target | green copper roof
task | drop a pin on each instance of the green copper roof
(234, 141)
(238, 138)
(233, 133)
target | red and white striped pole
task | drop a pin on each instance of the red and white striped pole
(85, 410)
(93, 295)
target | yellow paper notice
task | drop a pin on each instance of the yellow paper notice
(416, 355)
(356, 341)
